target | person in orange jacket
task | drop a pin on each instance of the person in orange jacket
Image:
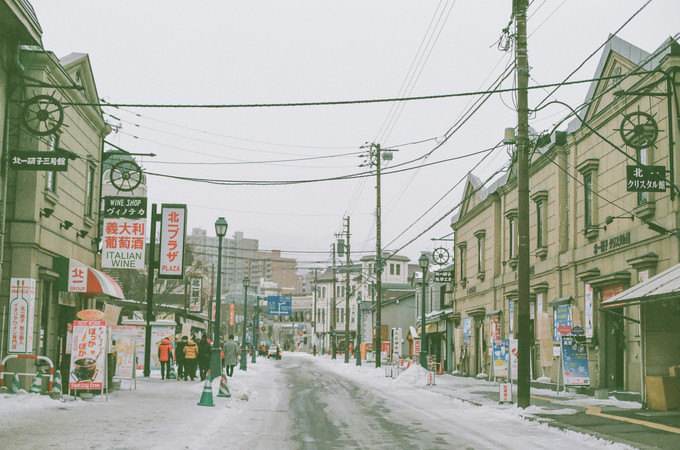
(165, 356)
(190, 359)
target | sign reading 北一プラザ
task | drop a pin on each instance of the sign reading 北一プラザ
(173, 229)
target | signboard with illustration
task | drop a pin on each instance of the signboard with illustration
(575, 362)
(500, 356)
(562, 321)
(21, 315)
(128, 338)
(88, 355)
(173, 229)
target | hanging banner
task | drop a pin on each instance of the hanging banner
(195, 288)
(588, 310)
(88, 355)
(232, 315)
(123, 243)
(21, 315)
(562, 321)
(514, 353)
(173, 229)
(575, 362)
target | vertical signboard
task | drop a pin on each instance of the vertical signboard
(21, 315)
(88, 355)
(232, 315)
(195, 288)
(123, 244)
(173, 229)
(588, 309)
(77, 276)
(562, 321)
(575, 362)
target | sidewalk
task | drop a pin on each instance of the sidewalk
(611, 419)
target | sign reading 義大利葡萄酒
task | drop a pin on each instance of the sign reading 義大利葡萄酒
(21, 313)
(173, 228)
(123, 243)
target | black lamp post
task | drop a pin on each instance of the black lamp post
(244, 352)
(256, 324)
(423, 262)
(216, 358)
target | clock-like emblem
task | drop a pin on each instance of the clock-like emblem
(440, 256)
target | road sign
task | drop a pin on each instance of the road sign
(443, 276)
(646, 179)
(279, 305)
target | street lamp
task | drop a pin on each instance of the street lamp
(256, 324)
(244, 353)
(423, 262)
(216, 357)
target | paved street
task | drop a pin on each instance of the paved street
(296, 403)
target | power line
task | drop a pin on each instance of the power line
(326, 102)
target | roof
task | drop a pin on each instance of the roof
(386, 254)
(660, 286)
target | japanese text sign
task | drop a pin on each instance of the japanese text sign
(646, 179)
(173, 228)
(39, 160)
(126, 207)
(195, 287)
(88, 355)
(77, 276)
(123, 243)
(21, 312)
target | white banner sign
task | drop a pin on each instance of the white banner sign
(195, 288)
(77, 276)
(123, 243)
(21, 315)
(173, 228)
(88, 355)
(588, 309)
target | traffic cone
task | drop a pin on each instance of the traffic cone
(224, 389)
(171, 372)
(206, 395)
(56, 386)
(15, 385)
(36, 385)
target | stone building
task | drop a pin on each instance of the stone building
(590, 238)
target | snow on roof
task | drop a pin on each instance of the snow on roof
(663, 284)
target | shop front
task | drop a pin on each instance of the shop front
(659, 301)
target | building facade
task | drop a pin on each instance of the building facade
(590, 238)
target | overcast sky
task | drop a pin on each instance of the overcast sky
(281, 51)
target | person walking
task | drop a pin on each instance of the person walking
(179, 357)
(231, 352)
(204, 356)
(165, 356)
(191, 353)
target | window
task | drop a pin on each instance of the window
(481, 241)
(442, 297)
(540, 199)
(461, 261)
(511, 237)
(588, 200)
(391, 269)
(89, 192)
(643, 158)
(51, 177)
(539, 225)
(397, 269)
(370, 269)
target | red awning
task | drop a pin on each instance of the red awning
(99, 283)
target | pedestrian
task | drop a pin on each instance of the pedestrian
(191, 353)
(165, 356)
(231, 352)
(179, 356)
(204, 356)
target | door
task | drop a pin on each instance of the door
(614, 349)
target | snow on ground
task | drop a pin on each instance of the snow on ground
(443, 406)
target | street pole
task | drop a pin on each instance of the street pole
(523, 344)
(256, 324)
(378, 255)
(333, 308)
(314, 317)
(149, 291)
(244, 352)
(347, 283)
(423, 262)
(357, 350)
(216, 357)
(210, 299)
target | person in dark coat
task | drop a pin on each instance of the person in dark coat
(204, 356)
(231, 352)
(179, 356)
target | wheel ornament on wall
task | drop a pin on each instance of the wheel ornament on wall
(440, 256)
(43, 115)
(639, 129)
(125, 176)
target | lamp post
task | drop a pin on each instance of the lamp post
(216, 358)
(256, 324)
(244, 352)
(423, 262)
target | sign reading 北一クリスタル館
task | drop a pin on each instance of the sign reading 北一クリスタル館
(173, 229)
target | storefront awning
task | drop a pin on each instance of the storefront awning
(80, 278)
(659, 287)
(100, 283)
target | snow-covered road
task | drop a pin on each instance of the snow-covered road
(297, 403)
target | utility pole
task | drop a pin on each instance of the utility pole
(333, 307)
(210, 299)
(314, 317)
(347, 284)
(522, 65)
(149, 291)
(376, 160)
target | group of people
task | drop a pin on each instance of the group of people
(189, 356)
